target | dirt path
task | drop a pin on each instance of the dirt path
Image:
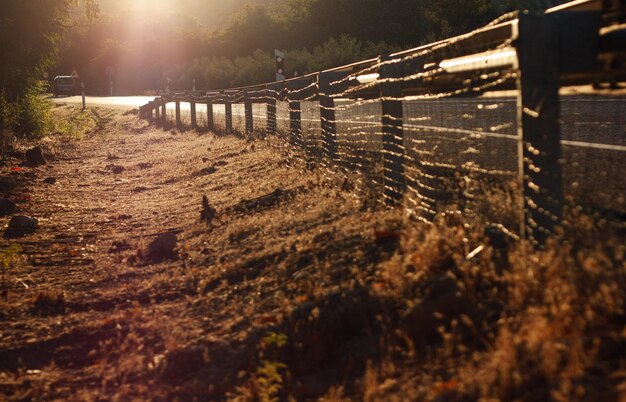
(88, 317)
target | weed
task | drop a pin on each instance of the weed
(101, 118)
(270, 380)
(76, 123)
(8, 256)
(270, 374)
(275, 339)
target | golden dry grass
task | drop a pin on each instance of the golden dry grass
(314, 295)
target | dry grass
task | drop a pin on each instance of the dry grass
(540, 325)
(313, 295)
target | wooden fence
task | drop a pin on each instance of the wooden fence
(582, 42)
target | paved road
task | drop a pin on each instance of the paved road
(114, 102)
(133, 102)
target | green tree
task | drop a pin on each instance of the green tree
(30, 33)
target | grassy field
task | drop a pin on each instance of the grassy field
(293, 286)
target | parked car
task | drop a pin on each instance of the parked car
(63, 85)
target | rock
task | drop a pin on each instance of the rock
(50, 180)
(7, 207)
(34, 157)
(21, 225)
(162, 248)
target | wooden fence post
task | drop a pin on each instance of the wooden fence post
(163, 112)
(228, 111)
(209, 113)
(295, 122)
(539, 139)
(179, 123)
(393, 142)
(270, 99)
(247, 101)
(295, 111)
(150, 112)
(192, 106)
(547, 46)
(328, 87)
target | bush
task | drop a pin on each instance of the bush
(34, 116)
(8, 113)
(258, 68)
(29, 115)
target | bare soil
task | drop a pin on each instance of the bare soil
(287, 283)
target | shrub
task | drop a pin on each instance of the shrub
(29, 114)
(8, 113)
(34, 116)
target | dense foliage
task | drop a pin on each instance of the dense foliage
(151, 47)
(143, 47)
(29, 32)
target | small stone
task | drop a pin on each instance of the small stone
(50, 180)
(7, 207)
(162, 248)
(34, 157)
(21, 225)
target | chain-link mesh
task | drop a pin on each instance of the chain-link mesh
(459, 152)
(593, 145)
